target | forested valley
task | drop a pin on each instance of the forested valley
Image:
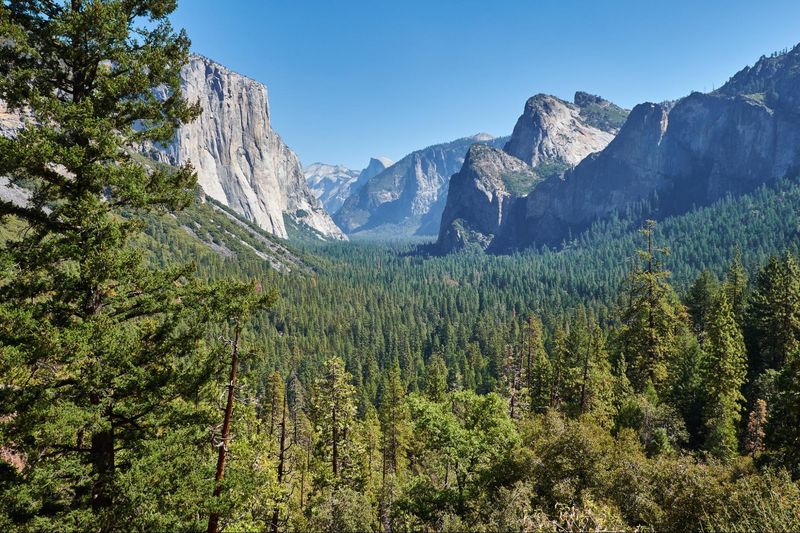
(641, 376)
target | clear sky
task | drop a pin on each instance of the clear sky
(349, 79)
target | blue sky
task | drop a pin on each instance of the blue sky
(352, 79)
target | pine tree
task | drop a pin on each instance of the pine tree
(111, 349)
(540, 371)
(774, 312)
(651, 317)
(334, 411)
(724, 375)
(700, 299)
(560, 368)
(239, 307)
(436, 379)
(395, 428)
(736, 285)
(783, 426)
(274, 404)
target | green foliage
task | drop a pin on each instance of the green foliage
(106, 360)
(774, 313)
(723, 376)
(783, 429)
(520, 183)
(651, 317)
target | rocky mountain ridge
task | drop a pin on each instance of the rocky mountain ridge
(485, 201)
(670, 157)
(552, 130)
(332, 184)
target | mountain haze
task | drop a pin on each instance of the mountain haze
(332, 184)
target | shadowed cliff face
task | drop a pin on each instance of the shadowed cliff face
(484, 198)
(692, 153)
(706, 146)
(239, 158)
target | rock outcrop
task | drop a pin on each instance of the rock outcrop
(330, 184)
(484, 199)
(240, 160)
(551, 130)
(700, 149)
(408, 197)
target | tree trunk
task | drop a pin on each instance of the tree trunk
(213, 519)
(103, 465)
(281, 458)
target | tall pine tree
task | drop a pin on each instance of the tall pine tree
(724, 374)
(104, 350)
(651, 317)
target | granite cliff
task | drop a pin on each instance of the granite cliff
(240, 160)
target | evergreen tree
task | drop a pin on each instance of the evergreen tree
(395, 428)
(783, 426)
(651, 317)
(597, 381)
(276, 394)
(560, 368)
(107, 352)
(700, 299)
(436, 379)
(774, 312)
(725, 372)
(334, 412)
(538, 362)
(736, 284)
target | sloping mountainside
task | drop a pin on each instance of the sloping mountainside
(241, 162)
(207, 232)
(332, 184)
(692, 153)
(408, 197)
(485, 203)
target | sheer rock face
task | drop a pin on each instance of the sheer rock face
(408, 197)
(332, 184)
(553, 130)
(240, 160)
(704, 147)
(486, 199)
(483, 205)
